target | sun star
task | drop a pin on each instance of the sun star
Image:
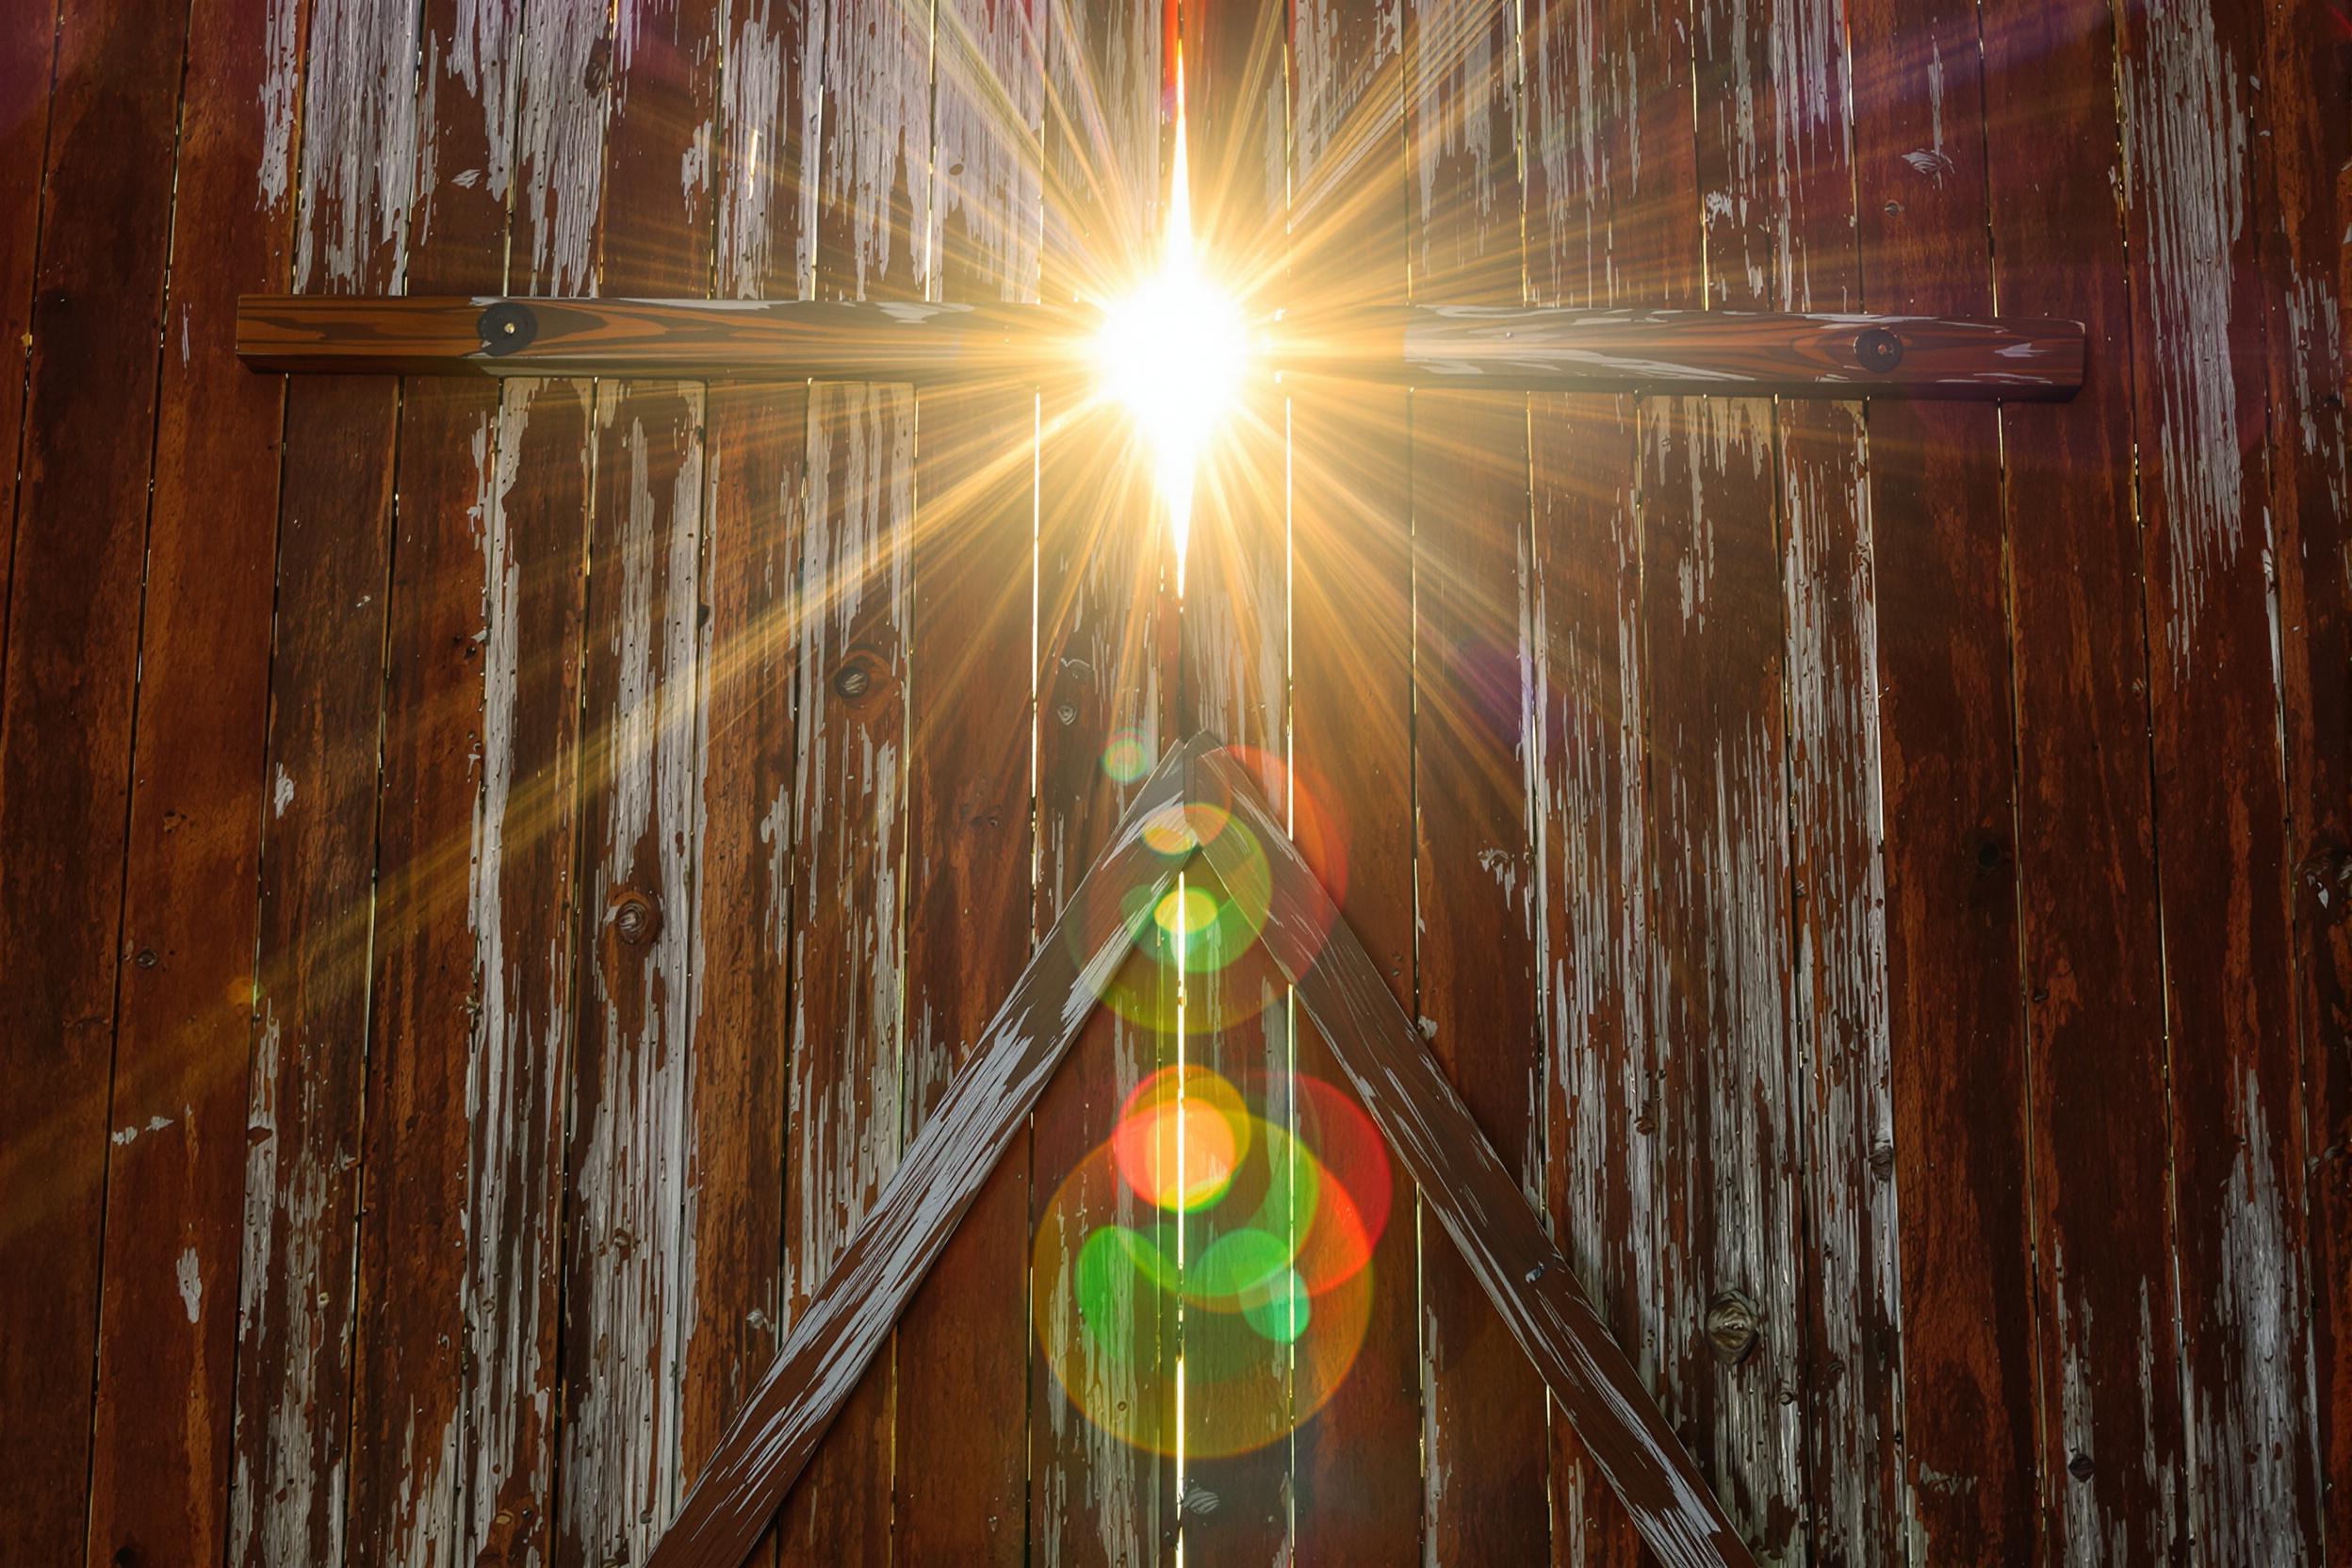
(1172, 350)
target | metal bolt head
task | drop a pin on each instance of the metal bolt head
(1878, 349)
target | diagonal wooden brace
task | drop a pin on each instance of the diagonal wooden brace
(1417, 1111)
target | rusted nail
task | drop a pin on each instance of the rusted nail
(1731, 1327)
(146, 959)
(634, 917)
(2080, 1466)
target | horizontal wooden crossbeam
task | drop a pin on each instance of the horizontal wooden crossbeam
(1461, 1180)
(1457, 346)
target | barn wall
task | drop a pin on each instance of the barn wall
(492, 879)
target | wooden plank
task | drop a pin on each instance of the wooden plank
(1357, 1465)
(1484, 1459)
(184, 1028)
(436, 949)
(533, 561)
(1947, 731)
(849, 853)
(2307, 202)
(1840, 1092)
(632, 1233)
(2109, 1401)
(758, 448)
(1106, 631)
(2188, 79)
(1234, 1491)
(28, 54)
(1466, 1185)
(964, 1341)
(1838, 355)
(829, 1347)
(1588, 68)
(1733, 1267)
(80, 522)
(297, 1293)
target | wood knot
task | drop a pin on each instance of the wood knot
(2080, 1466)
(858, 675)
(2326, 876)
(636, 918)
(1731, 1327)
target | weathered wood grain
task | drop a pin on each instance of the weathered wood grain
(1106, 639)
(2308, 268)
(521, 906)
(2188, 80)
(632, 1230)
(1357, 1465)
(1469, 1189)
(166, 1319)
(28, 54)
(297, 1293)
(1957, 1142)
(869, 169)
(2109, 1410)
(1478, 949)
(430, 959)
(1842, 1049)
(1586, 159)
(1734, 1270)
(88, 308)
(963, 1345)
(850, 1318)
(756, 452)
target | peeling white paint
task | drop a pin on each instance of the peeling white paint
(359, 147)
(191, 1281)
(282, 791)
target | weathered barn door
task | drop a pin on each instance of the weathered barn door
(492, 876)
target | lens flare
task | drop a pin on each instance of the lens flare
(1279, 1188)
(1173, 349)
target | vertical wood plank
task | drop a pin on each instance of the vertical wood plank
(758, 453)
(1105, 632)
(963, 1342)
(870, 168)
(1731, 1265)
(28, 56)
(433, 979)
(1476, 853)
(297, 1298)
(1587, 67)
(89, 306)
(631, 1232)
(1841, 1094)
(166, 1318)
(522, 899)
(2308, 266)
(1234, 682)
(2111, 1426)
(2189, 77)
(1357, 1465)
(1942, 690)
